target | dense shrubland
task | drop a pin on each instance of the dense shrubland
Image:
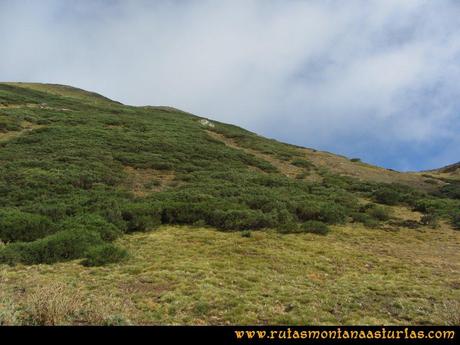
(63, 194)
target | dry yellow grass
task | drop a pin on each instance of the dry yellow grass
(363, 171)
(182, 275)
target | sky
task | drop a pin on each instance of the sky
(376, 80)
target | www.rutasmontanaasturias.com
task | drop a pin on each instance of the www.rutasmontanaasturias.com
(339, 333)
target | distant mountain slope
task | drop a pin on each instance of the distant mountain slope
(449, 171)
(78, 170)
(64, 91)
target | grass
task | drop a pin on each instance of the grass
(183, 275)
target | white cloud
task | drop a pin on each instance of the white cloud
(375, 79)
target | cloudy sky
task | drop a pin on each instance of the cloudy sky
(379, 80)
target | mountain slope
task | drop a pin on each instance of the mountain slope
(78, 170)
(451, 171)
(83, 178)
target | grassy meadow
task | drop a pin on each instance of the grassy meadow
(183, 275)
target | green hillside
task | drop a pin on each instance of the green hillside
(114, 214)
(79, 170)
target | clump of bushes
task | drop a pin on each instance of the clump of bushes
(308, 211)
(61, 246)
(393, 194)
(330, 213)
(141, 216)
(103, 254)
(314, 227)
(387, 196)
(365, 219)
(379, 212)
(371, 215)
(94, 223)
(451, 190)
(16, 225)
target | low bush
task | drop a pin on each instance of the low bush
(365, 219)
(327, 212)
(379, 213)
(315, 227)
(456, 221)
(387, 196)
(16, 225)
(451, 190)
(92, 222)
(246, 233)
(141, 216)
(241, 220)
(308, 211)
(103, 254)
(332, 213)
(430, 219)
(61, 246)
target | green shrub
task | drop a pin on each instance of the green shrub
(379, 212)
(140, 217)
(92, 222)
(61, 246)
(186, 213)
(451, 190)
(441, 207)
(456, 221)
(103, 254)
(430, 219)
(386, 196)
(16, 225)
(365, 219)
(332, 213)
(308, 211)
(355, 159)
(241, 220)
(246, 233)
(315, 227)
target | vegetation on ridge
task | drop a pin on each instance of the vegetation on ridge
(82, 170)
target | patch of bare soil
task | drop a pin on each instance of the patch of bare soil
(143, 182)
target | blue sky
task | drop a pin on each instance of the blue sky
(379, 80)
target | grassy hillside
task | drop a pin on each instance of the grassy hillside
(81, 176)
(182, 275)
